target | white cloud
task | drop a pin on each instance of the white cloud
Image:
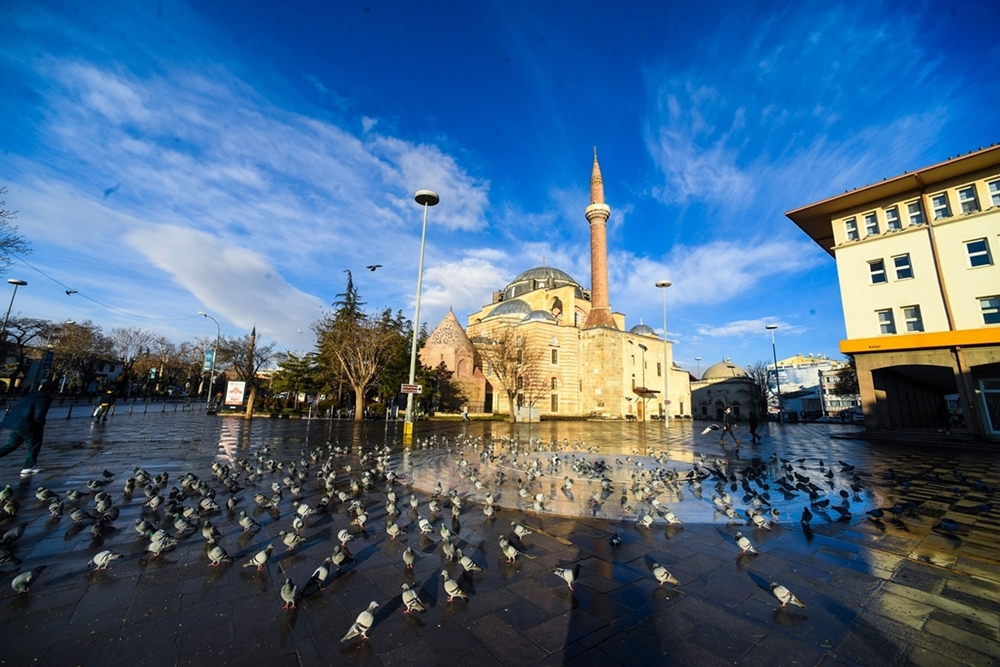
(755, 327)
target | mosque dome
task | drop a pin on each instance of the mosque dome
(722, 371)
(540, 316)
(642, 330)
(511, 307)
(540, 277)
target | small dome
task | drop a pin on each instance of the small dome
(512, 307)
(540, 277)
(723, 370)
(540, 316)
(643, 330)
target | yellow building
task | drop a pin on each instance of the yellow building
(917, 262)
(590, 365)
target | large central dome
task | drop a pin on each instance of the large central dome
(540, 277)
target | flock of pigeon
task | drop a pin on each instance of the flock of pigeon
(370, 484)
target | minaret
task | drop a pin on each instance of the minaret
(597, 215)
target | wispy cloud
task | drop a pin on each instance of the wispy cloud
(742, 328)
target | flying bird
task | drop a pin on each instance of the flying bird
(70, 291)
(372, 267)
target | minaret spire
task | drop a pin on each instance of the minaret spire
(597, 215)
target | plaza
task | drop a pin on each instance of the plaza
(912, 588)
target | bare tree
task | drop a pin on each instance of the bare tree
(22, 334)
(759, 374)
(511, 361)
(10, 240)
(127, 345)
(80, 351)
(246, 358)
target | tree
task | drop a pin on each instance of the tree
(246, 358)
(759, 374)
(22, 333)
(80, 351)
(10, 241)
(298, 374)
(128, 344)
(509, 360)
(847, 379)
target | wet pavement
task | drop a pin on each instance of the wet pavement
(919, 586)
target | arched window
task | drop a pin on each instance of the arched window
(554, 383)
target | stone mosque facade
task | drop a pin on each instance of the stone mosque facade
(591, 366)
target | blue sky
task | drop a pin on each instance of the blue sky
(167, 158)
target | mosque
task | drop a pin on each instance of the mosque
(587, 363)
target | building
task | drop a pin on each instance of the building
(724, 384)
(589, 364)
(917, 263)
(807, 386)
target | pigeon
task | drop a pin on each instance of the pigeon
(448, 548)
(759, 521)
(340, 555)
(373, 267)
(646, 520)
(392, 530)
(101, 560)
(452, 588)
(344, 536)
(409, 556)
(23, 581)
(13, 535)
(362, 624)
(411, 599)
(519, 530)
(217, 554)
(710, 428)
(158, 546)
(663, 576)
(321, 574)
(467, 563)
(806, 516)
(567, 574)
(744, 544)
(248, 522)
(785, 596)
(7, 558)
(616, 540)
(289, 592)
(260, 558)
(291, 540)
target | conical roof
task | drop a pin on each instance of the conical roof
(450, 332)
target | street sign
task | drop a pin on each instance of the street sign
(411, 389)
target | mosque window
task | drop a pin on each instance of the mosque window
(554, 383)
(555, 356)
(659, 369)
(555, 403)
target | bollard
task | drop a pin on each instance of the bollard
(163, 406)
(145, 406)
(175, 406)
(71, 404)
(130, 408)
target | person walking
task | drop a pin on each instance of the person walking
(107, 400)
(754, 422)
(26, 422)
(728, 426)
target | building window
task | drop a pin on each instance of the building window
(877, 269)
(633, 360)
(915, 213)
(659, 369)
(520, 382)
(851, 224)
(903, 268)
(967, 199)
(990, 306)
(911, 315)
(994, 187)
(555, 403)
(940, 205)
(892, 222)
(886, 323)
(979, 253)
(554, 383)
(871, 224)
(555, 356)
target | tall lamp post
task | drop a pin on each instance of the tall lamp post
(663, 285)
(777, 381)
(425, 198)
(215, 351)
(3, 329)
(697, 360)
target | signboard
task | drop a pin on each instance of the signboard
(411, 389)
(209, 361)
(234, 392)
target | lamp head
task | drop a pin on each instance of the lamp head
(15, 281)
(203, 314)
(771, 327)
(663, 283)
(426, 198)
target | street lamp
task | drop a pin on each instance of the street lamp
(218, 334)
(698, 361)
(663, 285)
(425, 198)
(3, 329)
(777, 382)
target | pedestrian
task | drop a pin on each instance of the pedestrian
(26, 421)
(728, 426)
(754, 422)
(465, 413)
(944, 418)
(107, 400)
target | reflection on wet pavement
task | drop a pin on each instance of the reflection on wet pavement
(898, 563)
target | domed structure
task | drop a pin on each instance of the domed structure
(512, 307)
(540, 316)
(642, 330)
(723, 370)
(540, 277)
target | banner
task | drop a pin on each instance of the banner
(209, 361)
(234, 392)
